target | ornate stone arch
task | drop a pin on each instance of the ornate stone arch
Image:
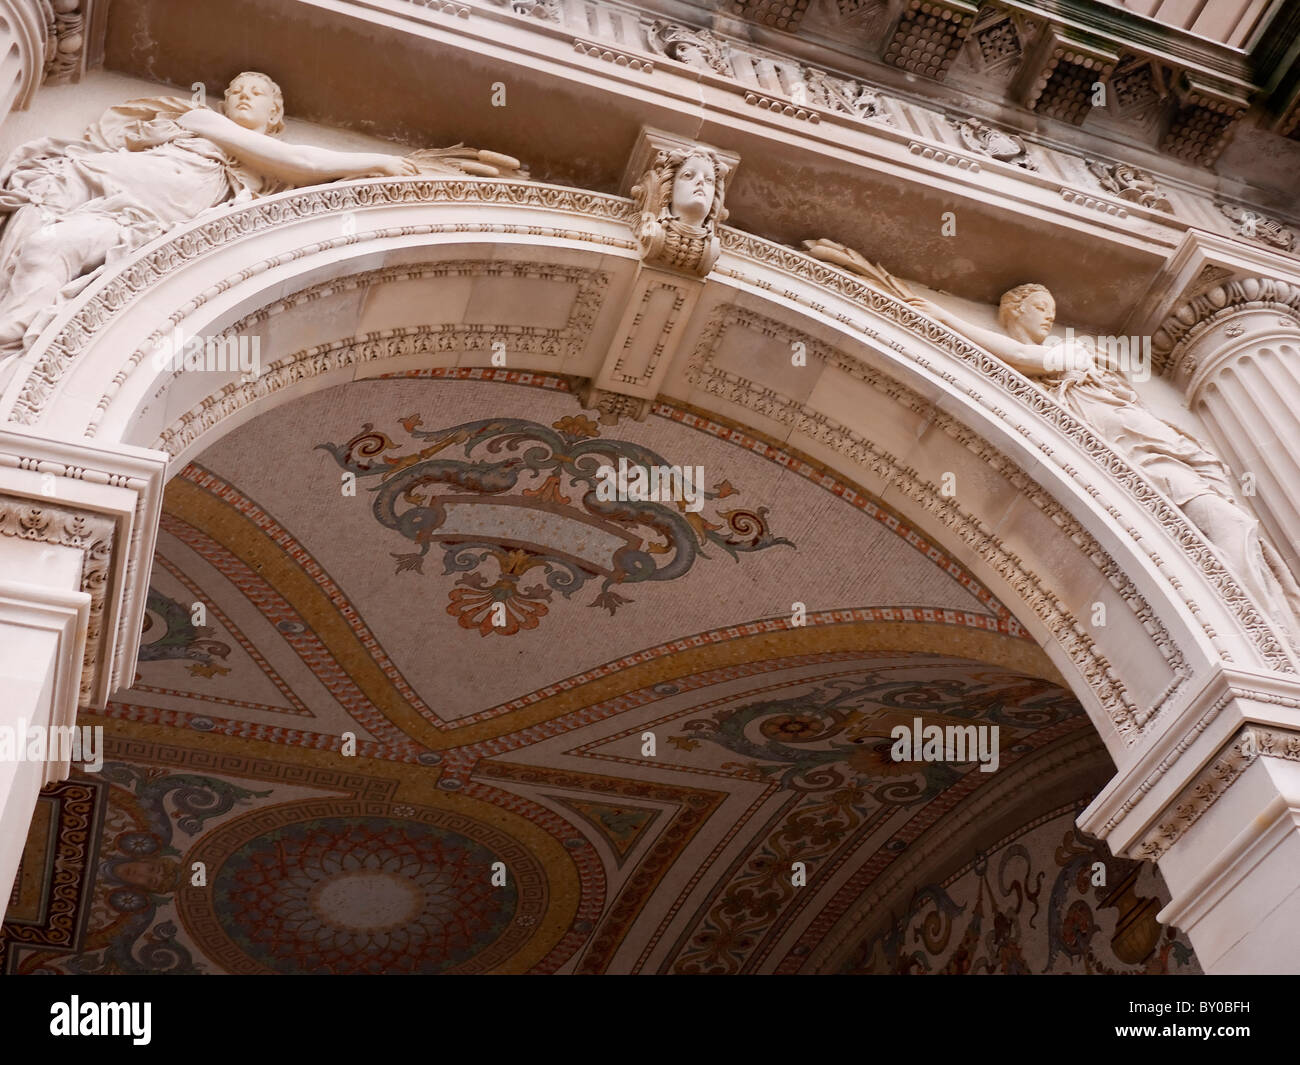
(370, 277)
(255, 268)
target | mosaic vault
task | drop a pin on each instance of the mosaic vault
(333, 612)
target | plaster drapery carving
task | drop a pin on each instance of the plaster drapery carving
(984, 139)
(1129, 183)
(1198, 481)
(680, 204)
(150, 165)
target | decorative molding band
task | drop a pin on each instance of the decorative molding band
(1020, 390)
(1193, 317)
(90, 533)
(121, 290)
(1094, 202)
(611, 55)
(782, 107)
(565, 341)
(939, 155)
(30, 33)
(446, 7)
(1212, 783)
(1126, 717)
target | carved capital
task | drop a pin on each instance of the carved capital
(89, 532)
(67, 28)
(102, 502)
(1201, 311)
(1230, 721)
(1211, 783)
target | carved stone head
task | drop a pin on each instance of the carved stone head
(1027, 313)
(255, 102)
(694, 189)
(686, 184)
(700, 49)
(679, 200)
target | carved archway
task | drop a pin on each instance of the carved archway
(1167, 653)
(1052, 518)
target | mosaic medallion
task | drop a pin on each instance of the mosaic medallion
(351, 888)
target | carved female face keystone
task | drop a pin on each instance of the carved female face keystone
(693, 190)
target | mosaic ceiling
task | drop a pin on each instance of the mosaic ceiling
(413, 697)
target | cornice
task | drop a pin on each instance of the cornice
(1139, 809)
(1212, 783)
(105, 502)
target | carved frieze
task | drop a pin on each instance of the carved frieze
(1129, 183)
(701, 49)
(1253, 225)
(842, 94)
(546, 10)
(995, 143)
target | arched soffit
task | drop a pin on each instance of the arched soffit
(335, 281)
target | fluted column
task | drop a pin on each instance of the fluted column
(1235, 350)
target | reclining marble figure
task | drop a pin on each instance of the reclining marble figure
(75, 207)
(1195, 479)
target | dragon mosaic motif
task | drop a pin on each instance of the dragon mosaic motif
(514, 506)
